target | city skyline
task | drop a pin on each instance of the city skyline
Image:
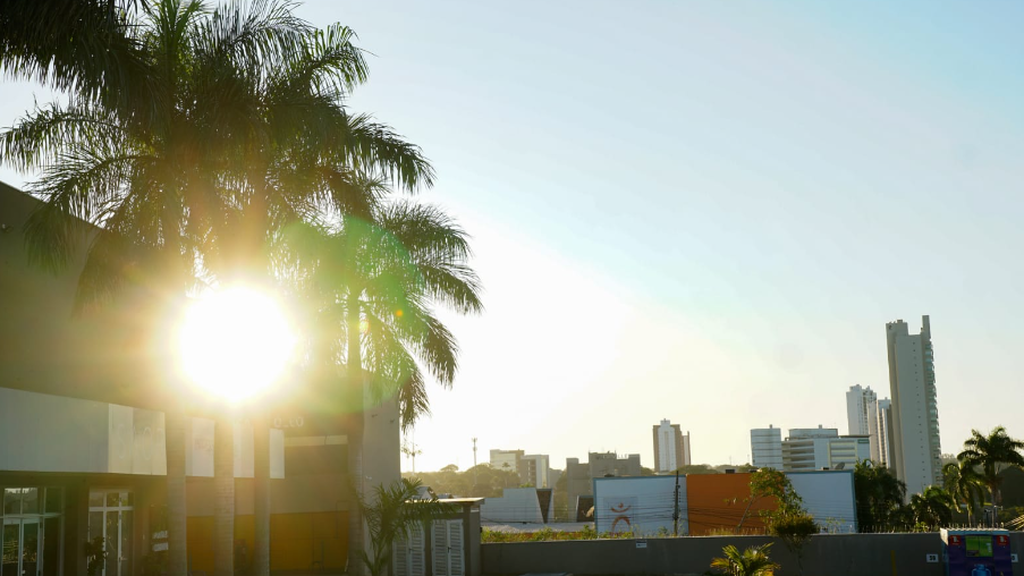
(702, 212)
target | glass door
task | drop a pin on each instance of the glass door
(20, 548)
(110, 517)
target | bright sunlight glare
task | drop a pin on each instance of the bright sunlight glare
(235, 343)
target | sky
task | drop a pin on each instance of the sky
(706, 211)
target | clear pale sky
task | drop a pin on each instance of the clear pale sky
(707, 211)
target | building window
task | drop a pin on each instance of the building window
(110, 518)
(32, 538)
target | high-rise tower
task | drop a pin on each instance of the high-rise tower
(915, 415)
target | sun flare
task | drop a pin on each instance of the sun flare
(235, 343)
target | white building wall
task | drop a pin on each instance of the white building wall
(829, 497)
(643, 505)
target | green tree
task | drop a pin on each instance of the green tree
(964, 484)
(990, 454)
(753, 561)
(374, 281)
(879, 496)
(390, 515)
(932, 508)
(190, 137)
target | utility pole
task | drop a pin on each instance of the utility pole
(474, 463)
(675, 509)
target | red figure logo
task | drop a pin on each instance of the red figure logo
(620, 510)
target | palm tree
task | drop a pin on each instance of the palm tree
(990, 454)
(375, 281)
(753, 561)
(393, 511)
(170, 140)
(880, 497)
(965, 486)
(933, 507)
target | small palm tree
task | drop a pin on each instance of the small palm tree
(393, 511)
(753, 561)
(990, 454)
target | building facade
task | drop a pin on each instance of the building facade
(580, 476)
(766, 447)
(535, 470)
(810, 449)
(860, 403)
(507, 460)
(85, 434)
(671, 447)
(883, 432)
(916, 453)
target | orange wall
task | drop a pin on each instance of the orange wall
(296, 540)
(715, 504)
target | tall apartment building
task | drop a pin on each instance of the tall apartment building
(766, 447)
(864, 418)
(860, 403)
(915, 416)
(671, 447)
(881, 426)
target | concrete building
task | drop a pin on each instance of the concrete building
(766, 447)
(671, 447)
(85, 436)
(579, 476)
(863, 415)
(880, 423)
(860, 403)
(915, 447)
(809, 449)
(535, 469)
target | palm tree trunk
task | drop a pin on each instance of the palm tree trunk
(224, 502)
(177, 537)
(356, 542)
(261, 497)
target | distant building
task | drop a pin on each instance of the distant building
(809, 449)
(916, 454)
(535, 470)
(507, 460)
(883, 429)
(860, 403)
(869, 416)
(579, 476)
(766, 447)
(671, 447)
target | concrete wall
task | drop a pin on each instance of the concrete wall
(832, 554)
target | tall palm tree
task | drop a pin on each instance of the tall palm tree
(964, 484)
(753, 561)
(180, 119)
(376, 280)
(990, 454)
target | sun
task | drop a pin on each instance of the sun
(235, 343)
